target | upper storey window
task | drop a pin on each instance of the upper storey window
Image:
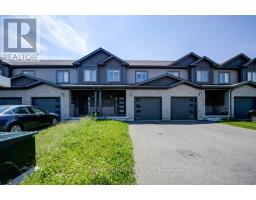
(90, 75)
(251, 76)
(29, 72)
(202, 76)
(224, 77)
(114, 75)
(141, 76)
(62, 76)
(174, 73)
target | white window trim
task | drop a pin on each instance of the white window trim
(63, 72)
(113, 71)
(252, 76)
(228, 80)
(90, 75)
(202, 81)
(140, 72)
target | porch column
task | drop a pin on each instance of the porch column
(100, 102)
(95, 101)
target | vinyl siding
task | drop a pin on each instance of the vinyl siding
(49, 74)
(233, 76)
(154, 73)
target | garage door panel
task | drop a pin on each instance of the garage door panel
(242, 105)
(183, 108)
(51, 104)
(148, 108)
(11, 101)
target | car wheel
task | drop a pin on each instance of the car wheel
(54, 121)
(253, 118)
(15, 128)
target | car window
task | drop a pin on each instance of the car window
(37, 111)
(9, 112)
(21, 110)
(3, 108)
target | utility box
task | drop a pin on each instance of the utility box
(17, 154)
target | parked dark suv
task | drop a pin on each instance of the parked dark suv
(15, 118)
(252, 115)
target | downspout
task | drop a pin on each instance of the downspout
(230, 103)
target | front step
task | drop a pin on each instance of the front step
(216, 118)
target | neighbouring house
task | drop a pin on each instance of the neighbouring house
(190, 88)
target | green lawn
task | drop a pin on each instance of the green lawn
(243, 124)
(84, 152)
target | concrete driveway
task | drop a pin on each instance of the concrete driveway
(193, 153)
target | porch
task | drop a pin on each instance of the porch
(103, 103)
(217, 103)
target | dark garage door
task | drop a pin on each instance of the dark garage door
(243, 105)
(183, 108)
(51, 104)
(148, 108)
(11, 101)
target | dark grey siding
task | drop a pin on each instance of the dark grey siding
(187, 61)
(96, 58)
(5, 70)
(112, 64)
(202, 66)
(237, 62)
(22, 81)
(91, 63)
(164, 81)
(245, 70)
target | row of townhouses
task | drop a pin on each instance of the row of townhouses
(190, 88)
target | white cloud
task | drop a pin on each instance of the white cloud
(61, 34)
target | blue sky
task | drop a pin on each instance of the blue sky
(147, 37)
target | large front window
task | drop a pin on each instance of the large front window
(113, 75)
(90, 75)
(202, 76)
(62, 76)
(141, 76)
(224, 77)
(251, 76)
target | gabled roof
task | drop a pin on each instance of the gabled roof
(96, 51)
(234, 58)
(204, 58)
(31, 81)
(176, 81)
(250, 62)
(244, 83)
(113, 57)
(4, 63)
(186, 56)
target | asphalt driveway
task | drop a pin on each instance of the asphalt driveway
(193, 153)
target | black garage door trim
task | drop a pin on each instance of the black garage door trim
(10, 101)
(54, 108)
(144, 112)
(184, 110)
(241, 107)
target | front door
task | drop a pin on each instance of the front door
(86, 104)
